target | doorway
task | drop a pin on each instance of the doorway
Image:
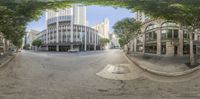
(175, 50)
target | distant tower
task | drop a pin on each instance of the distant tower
(103, 28)
(76, 15)
(140, 16)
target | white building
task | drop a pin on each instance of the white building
(140, 16)
(114, 41)
(67, 30)
(103, 28)
(30, 36)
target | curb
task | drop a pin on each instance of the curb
(7, 61)
(175, 74)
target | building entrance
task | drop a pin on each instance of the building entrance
(64, 48)
(175, 50)
(163, 49)
(52, 48)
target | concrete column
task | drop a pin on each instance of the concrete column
(89, 36)
(66, 33)
(49, 37)
(76, 34)
(95, 42)
(4, 45)
(57, 48)
(180, 45)
(144, 43)
(61, 34)
(92, 37)
(159, 41)
(131, 46)
(47, 48)
(135, 45)
(57, 25)
(81, 34)
(71, 47)
(46, 36)
(72, 27)
(85, 45)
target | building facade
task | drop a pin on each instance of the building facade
(114, 41)
(5, 44)
(103, 28)
(67, 30)
(163, 37)
(29, 37)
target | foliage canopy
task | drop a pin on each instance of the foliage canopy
(126, 29)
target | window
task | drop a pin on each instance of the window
(185, 35)
(169, 34)
(164, 34)
(169, 24)
(154, 35)
(151, 26)
(175, 33)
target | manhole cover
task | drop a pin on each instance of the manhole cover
(118, 69)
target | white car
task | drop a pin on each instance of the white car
(73, 50)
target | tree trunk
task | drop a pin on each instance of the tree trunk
(17, 49)
(192, 58)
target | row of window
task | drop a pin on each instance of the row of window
(169, 34)
(165, 24)
(153, 49)
(74, 29)
(166, 34)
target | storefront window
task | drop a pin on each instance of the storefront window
(147, 36)
(151, 26)
(151, 36)
(186, 49)
(154, 35)
(151, 48)
(164, 34)
(169, 34)
(139, 48)
(163, 48)
(175, 33)
(185, 35)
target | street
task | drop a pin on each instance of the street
(60, 75)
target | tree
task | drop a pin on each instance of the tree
(121, 41)
(16, 13)
(37, 43)
(127, 29)
(104, 41)
(184, 12)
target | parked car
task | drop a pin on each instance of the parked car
(73, 50)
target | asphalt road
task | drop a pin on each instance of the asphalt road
(53, 75)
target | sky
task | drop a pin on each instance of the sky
(95, 15)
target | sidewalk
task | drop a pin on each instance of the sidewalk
(162, 65)
(7, 57)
